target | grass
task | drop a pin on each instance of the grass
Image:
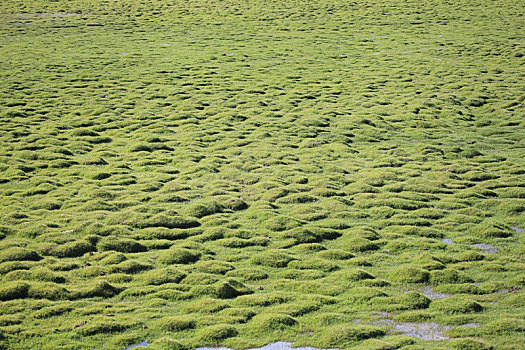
(223, 173)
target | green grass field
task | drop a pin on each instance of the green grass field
(234, 173)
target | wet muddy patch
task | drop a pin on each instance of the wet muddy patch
(430, 293)
(426, 330)
(139, 345)
(280, 345)
(485, 248)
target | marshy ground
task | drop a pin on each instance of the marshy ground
(203, 173)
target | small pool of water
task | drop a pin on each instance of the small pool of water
(486, 248)
(280, 345)
(431, 294)
(517, 229)
(143, 344)
(425, 330)
(448, 241)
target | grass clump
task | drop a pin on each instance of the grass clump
(167, 221)
(176, 255)
(350, 335)
(50, 291)
(101, 327)
(198, 278)
(214, 267)
(123, 245)
(167, 343)
(72, 249)
(490, 228)
(506, 325)
(230, 289)
(314, 264)
(409, 274)
(272, 258)
(176, 323)
(51, 311)
(469, 344)
(44, 274)
(456, 305)
(13, 290)
(130, 266)
(207, 306)
(448, 276)
(162, 275)
(100, 289)
(201, 209)
(263, 299)
(18, 254)
(272, 322)
(216, 333)
(248, 274)
(335, 254)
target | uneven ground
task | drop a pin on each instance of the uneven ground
(330, 173)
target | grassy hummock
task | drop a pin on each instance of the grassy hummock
(227, 173)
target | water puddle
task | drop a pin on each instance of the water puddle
(425, 331)
(485, 248)
(517, 229)
(280, 345)
(143, 344)
(431, 294)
